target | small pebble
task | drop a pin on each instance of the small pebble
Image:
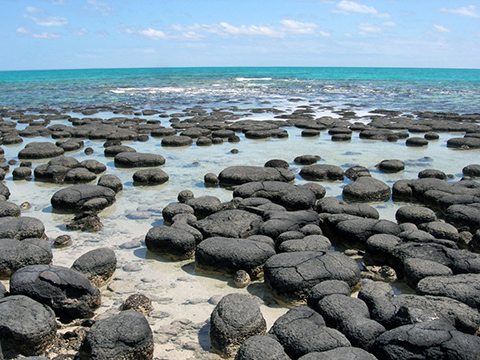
(132, 267)
(62, 241)
(88, 151)
(25, 205)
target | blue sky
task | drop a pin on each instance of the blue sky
(69, 34)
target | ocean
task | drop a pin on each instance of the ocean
(180, 294)
(410, 89)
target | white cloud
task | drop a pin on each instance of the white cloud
(47, 21)
(153, 34)
(32, 9)
(46, 35)
(22, 30)
(325, 33)
(99, 7)
(349, 7)
(56, 2)
(366, 28)
(471, 11)
(81, 31)
(296, 27)
(441, 28)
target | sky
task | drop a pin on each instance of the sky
(77, 34)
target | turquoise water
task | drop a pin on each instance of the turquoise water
(406, 89)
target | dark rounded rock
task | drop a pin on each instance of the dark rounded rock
(291, 276)
(463, 216)
(35, 331)
(138, 302)
(74, 197)
(8, 208)
(355, 172)
(204, 205)
(20, 228)
(236, 318)
(261, 347)
(340, 353)
(237, 175)
(177, 141)
(325, 288)
(302, 330)
(172, 210)
(136, 159)
(341, 137)
(416, 142)
(322, 172)
(333, 205)
(367, 189)
(68, 292)
(94, 166)
(211, 179)
(441, 230)
(431, 136)
(228, 255)
(316, 188)
(185, 195)
(114, 150)
(170, 241)
(111, 181)
(161, 132)
(277, 163)
(464, 143)
(97, 265)
(150, 176)
(432, 173)
(391, 166)
(472, 170)
(424, 341)
(308, 243)
(40, 150)
(310, 133)
(79, 175)
(15, 254)
(233, 223)
(290, 196)
(62, 241)
(277, 222)
(416, 269)
(415, 215)
(72, 145)
(22, 173)
(124, 336)
(306, 159)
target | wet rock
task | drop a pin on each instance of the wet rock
(150, 176)
(15, 254)
(340, 353)
(351, 317)
(171, 210)
(236, 318)
(393, 311)
(417, 269)
(172, 241)
(97, 265)
(136, 159)
(22, 173)
(40, 150)
(185, 195)
(291, 276)
(229, 223)
(464, 143)
(111, 181)
(355, 172)
(440, 230)
(278, 222)
(261, 347)
(415, 215)
(8, 208)
(93, 166)
(177, 141)
(114, 150)
(290, 196)
(301, 331)
(79, 175)
(277, 163)
(432, 173)
(204, 205)
(237, 175)
(72, 145)
(34, 333)
(316, 188)
(62, 241)
(472, 170)
(333, 205)
(463, 216)
(306, 159)
(416, 142)
(162, 131)
(322, 172)
(326, 288)
(427, 340)
(228, 255)
(462, 287)
(68, 292)
(211, 179)
(124, 336)
(308, 243)
(138, 302)
(367, 189)
(74, 197)
(20, 228)
(391, 166)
